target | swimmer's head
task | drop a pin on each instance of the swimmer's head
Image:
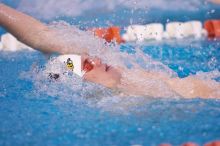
(91, 69)
(101, 73)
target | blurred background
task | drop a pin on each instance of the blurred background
(117, 12)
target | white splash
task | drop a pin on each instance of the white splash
(53, 8)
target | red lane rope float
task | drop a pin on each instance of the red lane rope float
(165, 144)
(213, 143)
(213, 28)
(190, 144)
(109, 34)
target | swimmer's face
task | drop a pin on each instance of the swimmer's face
(102, 73)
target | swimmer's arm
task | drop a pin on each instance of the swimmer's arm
(165, 86)
(188, 87)
(191, 87)
(33, 33)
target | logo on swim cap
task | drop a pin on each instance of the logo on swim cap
(69, 64)
(72, 62)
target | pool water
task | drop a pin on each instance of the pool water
(31, 119)
(31, 116)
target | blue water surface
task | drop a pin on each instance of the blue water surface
(26, 119)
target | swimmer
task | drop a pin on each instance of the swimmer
(37, 35)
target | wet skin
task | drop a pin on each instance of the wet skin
(111, 77)
(101, 73)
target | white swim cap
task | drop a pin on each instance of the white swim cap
(72, 62)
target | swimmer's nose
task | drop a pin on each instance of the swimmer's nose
(97, 61)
